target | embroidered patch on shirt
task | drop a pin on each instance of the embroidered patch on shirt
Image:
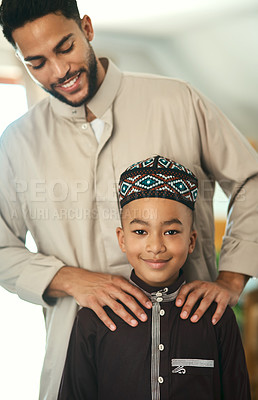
(181, 363)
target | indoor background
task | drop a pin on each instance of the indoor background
(210, 43)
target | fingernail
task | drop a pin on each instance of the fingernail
(194, 318)
(112, 327)
(214, 321)
(134, 322)
(179, 302)
(184, 314)
(149, 304)
(143, 317)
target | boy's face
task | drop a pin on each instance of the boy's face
(157, 237)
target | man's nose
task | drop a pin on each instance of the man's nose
(155, 244)
(59, 69)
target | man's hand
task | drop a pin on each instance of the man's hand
(96, 290)
(224, 291)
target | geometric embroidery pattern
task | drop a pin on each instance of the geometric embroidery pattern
(158, 177)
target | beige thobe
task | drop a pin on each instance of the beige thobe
(58, 182)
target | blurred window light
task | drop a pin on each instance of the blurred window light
(22, 337)
(115, 11)
(13, 103)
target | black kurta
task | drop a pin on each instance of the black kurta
(165, 358)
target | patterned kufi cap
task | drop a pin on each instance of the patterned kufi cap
(158, 177)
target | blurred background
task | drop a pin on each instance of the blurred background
(210, 43)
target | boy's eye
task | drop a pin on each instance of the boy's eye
(171, 232)
(140, 232)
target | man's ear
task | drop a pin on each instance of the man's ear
(193, 237)
(87, 27)
(121, 238)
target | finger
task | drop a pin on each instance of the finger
(131, 303)
(203, 306)
(184, 292)
(119, 310)
(190, 302)
(100, 312)
(119, 291)
(108, 297)
(221, 307)
(137, 293)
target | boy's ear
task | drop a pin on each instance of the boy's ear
(193, 237)
(121, 238)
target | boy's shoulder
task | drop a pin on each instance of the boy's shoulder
(228, 313)
(225, 326)
(226, 317)
(227, 321)
(88, 320)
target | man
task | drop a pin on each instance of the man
(60, 164)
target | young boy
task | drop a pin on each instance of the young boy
(166, 357)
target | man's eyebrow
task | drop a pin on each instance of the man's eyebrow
(62, 41)
(138, 221)
(57, 47)
(172, 221)
(31, 58)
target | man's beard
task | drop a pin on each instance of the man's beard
(91, 75)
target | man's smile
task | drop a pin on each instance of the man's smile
(71, 84)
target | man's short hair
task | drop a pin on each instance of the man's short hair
(16, 13)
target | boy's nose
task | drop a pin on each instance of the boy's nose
(155, 244)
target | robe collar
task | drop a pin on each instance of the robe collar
(158, 294)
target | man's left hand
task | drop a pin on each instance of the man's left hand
(224, 291)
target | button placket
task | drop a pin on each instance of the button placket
(155, 353)
(164, 347)
(158, 359)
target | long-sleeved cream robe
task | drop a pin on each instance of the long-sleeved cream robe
(58, 182)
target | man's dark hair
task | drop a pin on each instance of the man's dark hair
(16, 13)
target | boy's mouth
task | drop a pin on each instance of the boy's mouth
(156, 263)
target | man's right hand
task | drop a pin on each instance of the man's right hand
(96, 290)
